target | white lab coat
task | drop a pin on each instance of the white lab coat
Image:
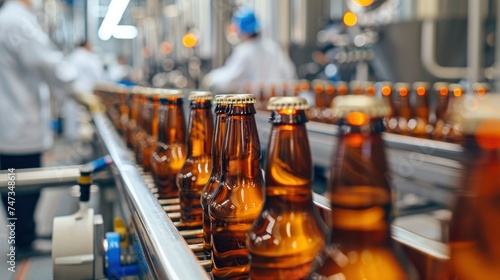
(29, 62)
(90, 71)
(254, 60)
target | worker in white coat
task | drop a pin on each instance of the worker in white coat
(29, 64)
(254, 60)
(90, 71)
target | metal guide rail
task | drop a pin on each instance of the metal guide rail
(163, 251)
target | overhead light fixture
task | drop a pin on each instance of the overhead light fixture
(125, 32)
(115, 12)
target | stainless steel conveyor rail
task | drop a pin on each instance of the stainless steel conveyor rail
(165, 252)
(36, 178)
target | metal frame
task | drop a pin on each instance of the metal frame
(165, 251)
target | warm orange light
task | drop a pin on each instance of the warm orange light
(370, 91)
(481, 91)
(189, 40)
(386, 90)
(421, 91)
(342, 90)
(488, 135)
(457, 92)
(356, 118)
(330, 90)
(304, 86)
(363, 3)
(403, 91)
(443, 91)
(350, 19)
(288, 111)
(166, 47)
(318, 88)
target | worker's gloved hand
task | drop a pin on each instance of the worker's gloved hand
(91, 101)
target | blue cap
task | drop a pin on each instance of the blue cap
(246, 21)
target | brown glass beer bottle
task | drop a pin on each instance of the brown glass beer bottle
(475, 229)
(150, 124)
(214, 180)
(140, 134)
(195, 172)
(442, 99)
(238, 199)
(390, 121)
(132, 117)
(342, 88)
(326, 114)
(289, 233)
(403, 108)
(419, 124)
(452, 131)
(360, 245)
(480, 89)
(170, 153)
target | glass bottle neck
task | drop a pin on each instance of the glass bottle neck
(241, 153)
(220, 129)
(172, 125)
(200, 130)
(151, 117)
(358, 186)
(289, 164)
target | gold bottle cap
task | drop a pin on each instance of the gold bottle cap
(287, 102)
(240, 99)
(421, 88)
(424, 85)
(480, 114)
(341, 87)
(356, 87)
(456, 89)
(221, 98)
(402, 88)
(480, 88)
(166, 93)
(384, 87)
(139, 90)
(369, 105)
(200, 95)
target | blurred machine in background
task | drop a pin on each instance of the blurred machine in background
(175, 42)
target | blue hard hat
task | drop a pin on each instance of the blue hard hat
(246, 21)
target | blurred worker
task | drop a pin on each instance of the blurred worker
(89, 66)
(120, 71)
(29, 63)
(90, 71)
(255, 59)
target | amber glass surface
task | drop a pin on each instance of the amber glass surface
(132, 120)
(150, 121)
(238, 199)
(360, 245)
(214, 180)
(170, 153)
(404, 112)
(420, 121)
(442, 100)
(475, 229)
(140, 132)
(452, 131)
(289, 233)
(195, 172)
(390, 121)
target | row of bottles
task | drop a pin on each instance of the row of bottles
(272, 230)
